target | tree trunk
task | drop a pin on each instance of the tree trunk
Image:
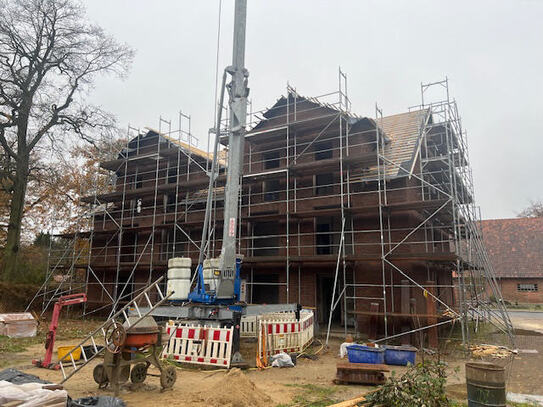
(15, 218)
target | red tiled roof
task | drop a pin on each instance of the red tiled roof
(515, 246)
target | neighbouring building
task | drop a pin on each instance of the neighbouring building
(515, 248)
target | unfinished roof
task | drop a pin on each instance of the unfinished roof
(515, 246)
(189, 149)
(402, 132)
(302, 112)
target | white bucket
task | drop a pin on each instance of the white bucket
(181, 289)
(179, 277)
(179, 273)
(179, 262)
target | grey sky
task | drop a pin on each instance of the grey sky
(492, 52)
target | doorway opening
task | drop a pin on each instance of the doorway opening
(263, 291)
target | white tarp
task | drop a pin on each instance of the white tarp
(31, 395)
(18, 325)
(530, 399)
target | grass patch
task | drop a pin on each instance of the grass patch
(68, 329)
(311, 395)
(9, 347)
(525, 307)
(16, 345)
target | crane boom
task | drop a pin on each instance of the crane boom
(217, 297)
(238, 92)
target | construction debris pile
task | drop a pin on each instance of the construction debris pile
(493, 351)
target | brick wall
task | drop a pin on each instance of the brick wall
(510, 293)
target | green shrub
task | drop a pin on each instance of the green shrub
(421, 385)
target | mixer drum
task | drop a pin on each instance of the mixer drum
(143, 334)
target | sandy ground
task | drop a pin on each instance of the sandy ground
(194, 387)
(275, 386)
(190, 382)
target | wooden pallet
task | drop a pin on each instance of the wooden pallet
(360, 373)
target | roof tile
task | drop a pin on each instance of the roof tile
(515, 246)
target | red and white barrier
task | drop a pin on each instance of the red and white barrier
(250, 323)
(285, 335)
(201, 345)
(249, 326)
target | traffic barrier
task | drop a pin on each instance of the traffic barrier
(249, 323)
(249, 326)
(283, 335)
(201, 345)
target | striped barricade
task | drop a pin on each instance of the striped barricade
(250, 323)
(249, 326)
(284, 335)
(308, 329)
(201, 345)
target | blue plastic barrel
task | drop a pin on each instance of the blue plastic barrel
(365, 354)
(400, 355)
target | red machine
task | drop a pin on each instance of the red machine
(51, 335)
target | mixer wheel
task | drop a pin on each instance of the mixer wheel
(168, 376)
(138, 373)
(99, 375)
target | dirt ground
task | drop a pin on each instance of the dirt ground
(194, 387)
(296, 386)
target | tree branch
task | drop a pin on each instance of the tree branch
(4, 142)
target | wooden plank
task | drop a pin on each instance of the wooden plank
(374, 312)
(362, 366)
(416, 337)
(350, 403)
(431, 309)
(354, 401)
(405, 295)
(399, 314)
(359, 373)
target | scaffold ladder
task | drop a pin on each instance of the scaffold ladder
(112, 331)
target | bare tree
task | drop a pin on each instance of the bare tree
(50, 56)
(534, 210)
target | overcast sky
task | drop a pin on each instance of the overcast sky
(491, 51)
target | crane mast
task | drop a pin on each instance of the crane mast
(238, 92)
(216, 297)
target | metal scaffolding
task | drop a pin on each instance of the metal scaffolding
(444, 176)
(82, 260)
(382, 206)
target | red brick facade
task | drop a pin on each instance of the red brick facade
(510, 290)
(295, 191)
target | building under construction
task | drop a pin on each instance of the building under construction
(369, 220)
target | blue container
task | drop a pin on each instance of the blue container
(400, 355)
(365, 354)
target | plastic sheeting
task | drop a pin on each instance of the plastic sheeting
(97, 401)
(18, 325)
(31, 395)
(281, 360)
(530, 399)
(17, 377)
